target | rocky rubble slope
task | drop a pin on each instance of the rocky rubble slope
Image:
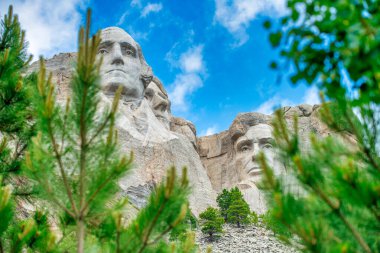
(251, 239)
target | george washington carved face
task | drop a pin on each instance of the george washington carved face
(123, 64)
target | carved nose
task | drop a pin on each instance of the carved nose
(255, 152)
(117, 57)
(117, 61)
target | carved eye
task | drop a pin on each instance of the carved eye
(102, 51)
(245, 148)
(129, 52)
(267, 145)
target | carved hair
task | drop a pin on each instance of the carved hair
(244, 121)
(160, 85)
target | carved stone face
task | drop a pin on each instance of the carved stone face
(121, 64)
(159, 103)
(258, 138)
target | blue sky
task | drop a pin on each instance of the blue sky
(212, 55)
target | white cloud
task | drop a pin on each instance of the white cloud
(51, 26)
(122, 18)
(139, 5)
(137, 35)
(209, 131)
(190, 78)
(184, 85)
(236, 15)
(151, 8)
(136, 3)
(311, 97)
(192, 60)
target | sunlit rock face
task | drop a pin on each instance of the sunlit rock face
(143, 119)
(230, 157)
(159, 139)
(185, 128)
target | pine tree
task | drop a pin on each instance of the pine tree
(234, 208)
(16, 127)
(211, 222)
(239, 212)
(335, 45)
(15, 130)
(235, 194)
(224, 200)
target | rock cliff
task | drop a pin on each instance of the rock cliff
(156, 145)
(159, 140)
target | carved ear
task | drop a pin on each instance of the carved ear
(146, 71)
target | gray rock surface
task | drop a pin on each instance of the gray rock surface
(230, 157)
(185, 128)
(160, 140)
(155, 147)
(251, 239)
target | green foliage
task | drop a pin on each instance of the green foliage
(16, 128)
(224, 201)
(167, 208)
(330, 42)
(33, 233)
(335, 45)
(234, 208)
(180, 232)
(76, 163)
(74, 157)
(211, 222)
(253, 217)
(270, 222)
(6, 208)
(238, 212)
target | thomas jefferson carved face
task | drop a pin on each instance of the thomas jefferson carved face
(258, 138)
(123, 64)
(159, 102)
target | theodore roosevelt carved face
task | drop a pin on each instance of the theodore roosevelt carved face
(123, 64)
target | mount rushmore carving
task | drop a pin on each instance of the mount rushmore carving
(159, 140)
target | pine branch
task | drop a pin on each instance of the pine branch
(100, 129)
(336, 209)
(54, 199)
(61, 168)
(152, 224)
(364, 148)
(64, 125)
